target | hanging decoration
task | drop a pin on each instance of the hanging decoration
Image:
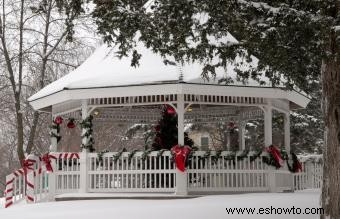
(181, 154)
(275, 158)
(294, 165)
(58, 120)
(87, 131)
(55, 129)
(71, 123)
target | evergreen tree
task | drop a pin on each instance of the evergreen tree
(166, 132)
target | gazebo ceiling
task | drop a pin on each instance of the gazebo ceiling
(104, 75)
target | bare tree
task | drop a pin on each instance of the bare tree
(33, 49)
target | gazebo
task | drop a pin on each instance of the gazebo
(109, 85)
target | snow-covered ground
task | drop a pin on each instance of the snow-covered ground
(208, 207)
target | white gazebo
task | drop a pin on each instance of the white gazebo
(123, 93)
(112, 85)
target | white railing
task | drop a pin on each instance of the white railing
(223, 174)
(67, 175)
(134, 174)
(154, 173)
(310, 177)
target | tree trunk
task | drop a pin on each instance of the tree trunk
(331, 106)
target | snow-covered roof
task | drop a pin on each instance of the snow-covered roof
(105, 70)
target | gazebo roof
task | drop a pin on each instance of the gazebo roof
(103, 71)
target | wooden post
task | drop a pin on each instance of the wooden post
(241, 132)
(84, 154)
(268, 135)
(287, 131)
(181, 177)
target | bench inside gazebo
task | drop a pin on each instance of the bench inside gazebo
(107, 88)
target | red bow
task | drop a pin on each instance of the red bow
(274, 151)
(181, 155)
(46, 158)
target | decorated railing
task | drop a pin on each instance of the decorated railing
(155, 171)
(131, 172)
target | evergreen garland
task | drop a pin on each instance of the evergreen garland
(216, 157)
(145, 154)
(242, 155)
(116, 157)
(100, 156)
(87, 138)
(160, 153)
(131, 155)
(55, 129)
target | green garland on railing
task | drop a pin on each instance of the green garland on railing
(100, 156)
(145, 154)
(215, 158)
(256, 155)
(243, 155)
(131, 155)
(116, 157)
(160, 153)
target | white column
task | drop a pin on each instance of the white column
(241, 137)
(287, 131)
(180, 118)
(84, 154)
(52, 182)
(181, 177)
(268, 135)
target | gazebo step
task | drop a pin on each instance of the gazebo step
(98, 196)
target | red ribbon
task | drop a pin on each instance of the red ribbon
(46, 158)
(276, 154)
(181, 155)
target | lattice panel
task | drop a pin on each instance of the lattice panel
(193, 98)
(136, 100)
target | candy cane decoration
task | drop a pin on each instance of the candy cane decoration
(9, 190)
(30, 173)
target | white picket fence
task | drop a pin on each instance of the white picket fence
(310, 177)
(151, 173)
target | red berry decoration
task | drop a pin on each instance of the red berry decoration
(58, 120)
(71, 124)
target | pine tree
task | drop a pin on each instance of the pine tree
(166, 132)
